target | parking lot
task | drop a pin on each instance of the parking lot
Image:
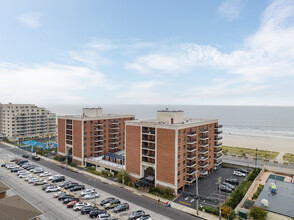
(207, 188)
(51, 207)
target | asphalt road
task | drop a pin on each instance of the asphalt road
(140, 201)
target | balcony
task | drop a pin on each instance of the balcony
(203, 158)
(148, 160)
(148, 139)
(203, 138)
(191, 164)
(191, 180)
(203, 131)
(218, 138)
(218, 156)
(150, 155)
(99, 134)
(191, 157)
(98, 151)
(203, 145)
(114, 123)
(192, 142)
(217, 144)
(218, 126)
(191, 149)
(114, 132)
(203, 172)
(114, 147)
(98, 129)
(191, 134)
(218, 150)
(191, 172)
(148, 147)
(115, 137)
(218, 132)
(116, 142)
(148, 131)
(203, 151)
(98, 140)
(217, 163)
(203, 165)
(99, 124)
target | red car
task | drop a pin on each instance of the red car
(71, 204)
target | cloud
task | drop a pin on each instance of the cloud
(231, 9)
(51, 82)
(30, 20)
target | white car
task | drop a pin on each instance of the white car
(105, 216)
(22, 172)
(91, 195)
(237, 173)
(87, 191)
(144, 217)
(12, 167)
(45, 174)
(26, 175)
(53, 177)
(52, 189)
(79, 205)
(33, 180)
(40, 182)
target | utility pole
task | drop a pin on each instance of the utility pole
(197, 196)
(219, 198)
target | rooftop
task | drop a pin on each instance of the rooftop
(3, 187)
(280, 202)
(104, 116)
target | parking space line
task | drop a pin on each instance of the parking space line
(185, 203)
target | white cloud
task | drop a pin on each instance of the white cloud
(48, 83)
(30, 20)
(231, 9)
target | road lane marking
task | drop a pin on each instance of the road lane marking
(192, 200)
(185, 203)
(186, 198)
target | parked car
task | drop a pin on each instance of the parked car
(58, 179)
(40, 182)
(77, 188)
(105, 201)
(45, 174)
(71, 204)
(38, 170)
(25, 175)
(4, 164)
(121, 207)
(79, 205)
(62, 197)
(243, 171)
(46, 185)
(29, 178)
(103, 216)
(91, 195)
(145, 217)
(20, 162)
(237, 173)
(86, 209)
(37, 158)
(10, 167)
(70, 199)
(95, 212)
(26, 165)
(52, 189)
(136, 214)
(33, 180)
(65, 183)
(57, 194)
(112, 204)
(87, 191)
(31, 167)
(232, 181)
(225, 189)
(25, 156)
(229, 185)
(16, 170)
(14, 160)
(69, 186)
(22, 172)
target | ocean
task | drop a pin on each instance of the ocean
(241, 120)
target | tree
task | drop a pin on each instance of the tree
(257, 213)
(126, 176)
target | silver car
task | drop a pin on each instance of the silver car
(91, 195)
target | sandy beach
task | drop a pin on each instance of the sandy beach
(279, 144)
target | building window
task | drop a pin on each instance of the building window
(178, 181)
(184, 170)
(184, 155)
(85, 139)
(184, 178)
(179, 149)
(184, 147)
(91, 122)
(179, 157)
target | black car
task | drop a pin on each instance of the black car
(86, 209)
(105, 201)
(36, 158)
(65, 183)
(70, 199)
(225, 189)
(78, 187)
(95, 212)
(121, 207)
(58, 179)
(3, 164)
(65, 197)
(15, 170)
(72, 185)
(232, 181)
(25, 156)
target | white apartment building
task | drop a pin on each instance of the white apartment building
(25, 121)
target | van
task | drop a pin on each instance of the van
(112, 204)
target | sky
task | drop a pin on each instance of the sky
(217, 52)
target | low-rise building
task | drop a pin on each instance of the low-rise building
(25, 121)
(91, 135)
(172, 148)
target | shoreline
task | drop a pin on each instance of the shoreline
(278, 144)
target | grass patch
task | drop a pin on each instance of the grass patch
(258, 191)
(289, 157)
(251, 152)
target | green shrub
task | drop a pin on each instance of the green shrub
(166, 193)
(106, 174)
(257, 213)
(258, 191)
(208, 209)
(72, 164)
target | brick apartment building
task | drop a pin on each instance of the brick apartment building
(172, 148)
(91, 135)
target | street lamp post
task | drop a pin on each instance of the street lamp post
(95, 190)
(197, 196)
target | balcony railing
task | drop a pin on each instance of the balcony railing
(99, 140)
(203, 138)
(217, 144)
(218, 150)
(218, 156)
(202, 131)
(191, 134)
(218, 126)
(218, 138)
(203, 165)
(148, 155)
(191, 149)
(203, 172)
(148, 160)
(218, 163)
(203, 151)
(203, 158)
(218, 132)
(98, 129)
(192, 142)
(99, 124)
(191, 164)
(191, 180)
(146, 147)
(146, 132)
(148, 139)
(191, 157)
(191, 172)
(98, 134)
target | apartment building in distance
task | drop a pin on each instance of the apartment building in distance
(91, 134)
(25, 121)
(171, 149)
